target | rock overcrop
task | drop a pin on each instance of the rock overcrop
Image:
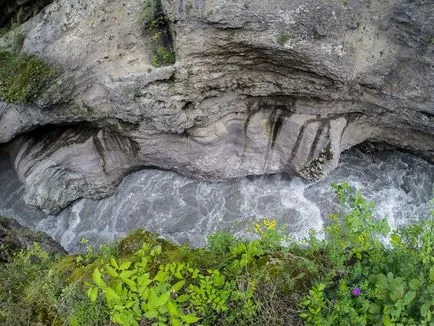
(258, 87)
(14, 237)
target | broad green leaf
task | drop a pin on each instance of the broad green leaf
(131, 284)
(395, 295)
(92, 293)
(114, 263)
(111, 271)
(162, 299)
(173, 308)
(143, 280)
(128, 319)
(126, 274)
(414, 284)
(177, 286)
(431, 274)
(111, 295)
(409, 297)
(163, 310)
(183, 298)
(125, 265)
(161, 276)
(118, 288)
(175, 322)
(96, 276)
(151, 314)
(129, 304)
(374, 308)
(190, 318)
(152, 297)
(145, 293)
(156, 251)
(116, 317)
(382, 281)
(424, 309)
(219, 280)
(386, 320)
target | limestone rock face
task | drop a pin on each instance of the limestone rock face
(258, 87)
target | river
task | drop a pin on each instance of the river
(185, 210)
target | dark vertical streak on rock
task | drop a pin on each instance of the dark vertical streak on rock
(251, 110)
(100, 149)
(324, 127)
(135, 147)
(349, 119)
(297, 145)
(277, 127)
(271, 124)
(181, 7)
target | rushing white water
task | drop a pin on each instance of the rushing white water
(184, 210)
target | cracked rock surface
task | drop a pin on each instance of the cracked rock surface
(258, 87)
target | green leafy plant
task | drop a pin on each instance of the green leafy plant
(162, 293)
(29, 290)
(283, 37)
(23, 77)
(155, 22)
(163, 57)
(367, 281)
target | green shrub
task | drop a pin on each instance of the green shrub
(155, 23)
(163, 293)
(22, 77)
(29, 291)
(283, 37)
(152, 14)
(369, 282)
(163, 57)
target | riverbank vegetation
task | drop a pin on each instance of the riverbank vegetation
(361, 273)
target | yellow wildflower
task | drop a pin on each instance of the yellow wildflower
(257, 228)
(270, 224)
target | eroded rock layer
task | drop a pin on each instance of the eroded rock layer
(258, 87)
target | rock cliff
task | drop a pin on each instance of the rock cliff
(14, 237)
(258, 87)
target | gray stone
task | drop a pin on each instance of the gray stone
(258, 87)
(14, 237)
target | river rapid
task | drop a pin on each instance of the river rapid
(185, 210)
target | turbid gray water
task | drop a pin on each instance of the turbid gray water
(185, 210)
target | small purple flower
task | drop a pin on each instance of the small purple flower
(356, 292)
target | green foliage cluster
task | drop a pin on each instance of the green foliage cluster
(174, 293)
(155, 22)
(368, 282)
(22, 77)
(152, 14)
(29, 290)
(283, 37)
(360, 274)
(163, 57)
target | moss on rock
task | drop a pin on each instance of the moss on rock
(23, 78)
